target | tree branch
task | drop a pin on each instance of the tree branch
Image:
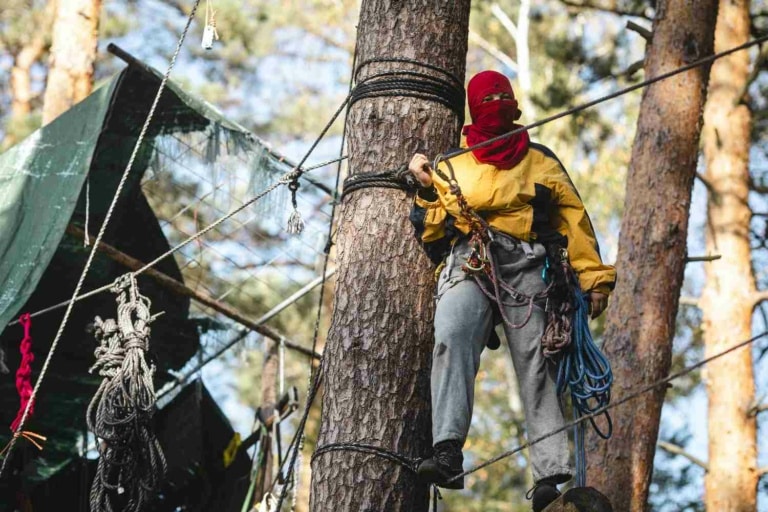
(706, 183)
(759, 296)
(689, 301)
(644, 32)
(678, 450)
(692, 259)
(759, 188)
(757, 409)
(753, 74)
(634, 68)
(492, 50)
(614, 9)
(505, 21)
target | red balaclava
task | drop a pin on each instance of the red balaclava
(493, 118)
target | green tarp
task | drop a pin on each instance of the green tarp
(42, 191)
(40, 182)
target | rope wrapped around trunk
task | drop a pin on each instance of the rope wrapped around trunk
(131, 462)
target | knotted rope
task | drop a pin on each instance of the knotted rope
(411, 464)
(446, 89)
(24, 388)
(24, 373)
(131, 461)
(399, 179)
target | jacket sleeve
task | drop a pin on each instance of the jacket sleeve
(571, 219)
(432, 225)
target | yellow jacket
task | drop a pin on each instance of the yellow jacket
(529, 201)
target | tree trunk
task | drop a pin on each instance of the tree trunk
(377, 357)
(652, 250)
(21, 88)
(73, 51)
(731, 483)
(269, 371)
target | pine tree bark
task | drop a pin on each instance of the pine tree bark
(73, 52)
(726, 302)
(377, 357)
(652, 250)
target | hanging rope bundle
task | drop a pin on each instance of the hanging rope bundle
(131, 462)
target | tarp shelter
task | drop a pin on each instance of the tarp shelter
(46, 182)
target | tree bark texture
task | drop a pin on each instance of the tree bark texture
(652, 249)
(726, 302)
(20, 85)
(269, 371)
(377, 357)
(73, 51)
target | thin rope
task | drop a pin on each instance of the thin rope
(607, 97)
(298, 169)
(286, 178)
(443, 158)
(603, 410)
(100, 235)
(314, 381)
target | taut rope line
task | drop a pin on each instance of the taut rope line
(440, 158)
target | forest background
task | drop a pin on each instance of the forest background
(281, 68)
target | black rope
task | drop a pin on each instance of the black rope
(602, 99)
(316, 379)
(406, 462)
(400, 178)
(413, 84)
(404, 60)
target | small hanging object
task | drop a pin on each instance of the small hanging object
(24, 373)
(131, 462)
(268, 503)
(87, 236)
(210, 34)
(295, 222)
(24, 386)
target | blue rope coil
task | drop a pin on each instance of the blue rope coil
(586, 372)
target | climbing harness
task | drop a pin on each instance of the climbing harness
(131, 461)
(582, 367)
(480, 263)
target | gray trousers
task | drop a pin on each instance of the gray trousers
(463, 321)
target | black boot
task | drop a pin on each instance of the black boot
(445, 463)
(542, 494)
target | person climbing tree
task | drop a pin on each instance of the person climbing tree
(495, 227)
